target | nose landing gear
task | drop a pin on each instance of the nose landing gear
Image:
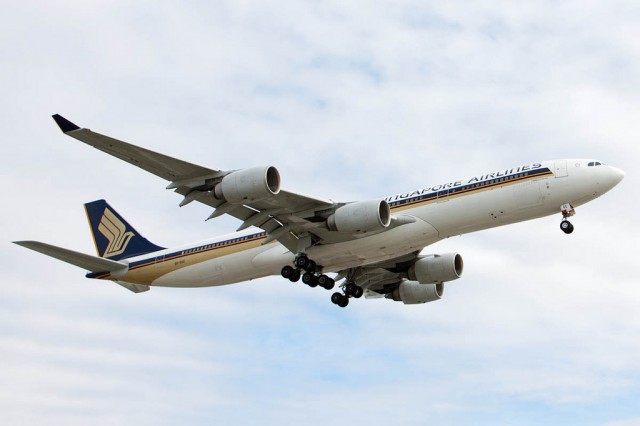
(567, 211)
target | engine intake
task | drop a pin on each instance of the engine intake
(248, 185)
(412, 292)
(361, 216)
(437, 269)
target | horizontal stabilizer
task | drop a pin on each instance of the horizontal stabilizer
(86, 261)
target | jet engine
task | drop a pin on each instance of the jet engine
(412, 292)
(361, 216)
(248, 185)
(437, 268)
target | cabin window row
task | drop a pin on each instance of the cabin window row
(463, 188)
(214, 245)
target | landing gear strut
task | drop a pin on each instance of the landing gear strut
(567, 211)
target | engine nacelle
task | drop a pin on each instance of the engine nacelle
(412, 292)
(247, 185)
(361, 216)
(437, 269)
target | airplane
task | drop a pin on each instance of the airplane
(373, 247)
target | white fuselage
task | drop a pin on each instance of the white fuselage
(454, 208)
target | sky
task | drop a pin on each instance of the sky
(350, 100)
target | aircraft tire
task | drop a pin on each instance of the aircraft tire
(324, 281)
(351, 289)
(310, 279)
(359, 292)
(295, 277)
(287, 272)
(566, 227)
(301, 261)
(330, 284)
(344, 302)
(310, 266)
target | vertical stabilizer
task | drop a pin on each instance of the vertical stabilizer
(114, 238)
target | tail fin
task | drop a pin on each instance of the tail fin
(113, 236)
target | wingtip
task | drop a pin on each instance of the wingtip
(65, 125)
(26, 244)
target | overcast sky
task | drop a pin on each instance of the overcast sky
(350, 100)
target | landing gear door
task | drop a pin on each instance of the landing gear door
(560, 169)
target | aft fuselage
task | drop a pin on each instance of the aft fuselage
(444, 210)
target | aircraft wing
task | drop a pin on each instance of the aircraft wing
(293, 219)
(160, 165)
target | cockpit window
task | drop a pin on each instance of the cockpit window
(594, 163)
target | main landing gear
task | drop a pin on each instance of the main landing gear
(567, 211)
(311, 274)
(348, 290)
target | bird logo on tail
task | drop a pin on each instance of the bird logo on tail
(114, 230)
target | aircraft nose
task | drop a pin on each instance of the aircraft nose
(617, 175)
(611, 177)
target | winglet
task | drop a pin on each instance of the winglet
(65, 125)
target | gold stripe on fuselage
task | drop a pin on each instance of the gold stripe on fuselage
(153, 268)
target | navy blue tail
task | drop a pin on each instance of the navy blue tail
(114, 237)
